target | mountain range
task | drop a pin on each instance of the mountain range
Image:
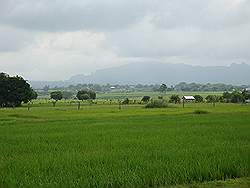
(157, 73)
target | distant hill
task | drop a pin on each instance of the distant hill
(155, 73)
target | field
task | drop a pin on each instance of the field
(102, 146)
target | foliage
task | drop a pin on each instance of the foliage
(56, 95)
(163, 88)
(246, 94)
(126, 101)
(67, 95)
(175, 99)
(86, 94)
(14, 90)
(236, 96)
(227, 96)
(145, 99)
(212, 98)
(157, 103)
(198, 98)
(183, 86)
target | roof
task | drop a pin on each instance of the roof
(188, 97)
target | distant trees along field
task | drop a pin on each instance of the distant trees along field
(14, 90)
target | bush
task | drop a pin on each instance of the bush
(157, 104)
(200, 112)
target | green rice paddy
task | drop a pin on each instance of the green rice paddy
(102, 146)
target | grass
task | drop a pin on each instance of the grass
(200, 112)
(102, 146)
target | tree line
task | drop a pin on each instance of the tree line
(14, 91)
(183, 86)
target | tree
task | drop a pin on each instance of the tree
(246, 94)
(126, 101)
(237, 97)
(92, 94)
(14, 90)
(145, 99)
(56, 95)
(86, 94)
(227, 96)
(211, 99)
(67, 95)
(198, 98)
(163, 88)
(175, 99)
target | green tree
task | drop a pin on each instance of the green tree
(56, 96)
(198, 98)
(175, 98)
(212, 99)
(67, 95)
(14, 90)
(86, 94)
(163, 88)
(246, 94)
(126, 101)
(145, 99)
(227, 96)
(237, 97)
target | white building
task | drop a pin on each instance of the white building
(188, 98)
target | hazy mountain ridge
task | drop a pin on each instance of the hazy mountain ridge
(155, 73)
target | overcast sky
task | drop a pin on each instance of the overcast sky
(53, 40)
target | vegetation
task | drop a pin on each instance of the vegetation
(175, 99)
(163, 88)
(157, 103)
(105, 145)
(126, 101)
(236, 96)
(145, 99)
(56, 96)
(198, 98)
(200, 112)
(102, 146)
(67, 95)
(14, 90)
(86, 94)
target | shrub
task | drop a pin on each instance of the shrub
(157, 104)
(200, 112)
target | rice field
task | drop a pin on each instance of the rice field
(102, 146)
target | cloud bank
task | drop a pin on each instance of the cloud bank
(52, 40)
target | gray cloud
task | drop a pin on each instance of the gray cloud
(59, 15)
(80, 36)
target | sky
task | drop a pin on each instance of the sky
(54, 40)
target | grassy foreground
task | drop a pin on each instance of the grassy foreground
(102, 146)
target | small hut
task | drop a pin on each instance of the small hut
(187, 99)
